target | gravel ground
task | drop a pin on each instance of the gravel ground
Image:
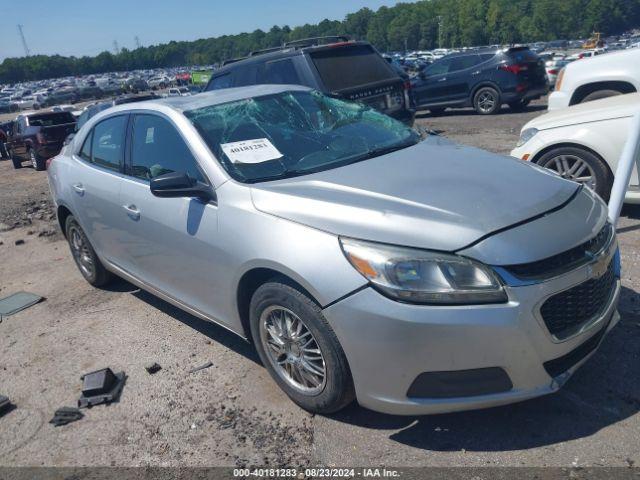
(232, 413)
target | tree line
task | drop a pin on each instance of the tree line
(425, 24)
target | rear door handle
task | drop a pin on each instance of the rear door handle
(79, 188)
(443, 79)
(132, 211)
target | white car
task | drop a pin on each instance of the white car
(28, 103)
(598, 77)
(583, 143)
(178, 92)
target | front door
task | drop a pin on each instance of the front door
(170, 242)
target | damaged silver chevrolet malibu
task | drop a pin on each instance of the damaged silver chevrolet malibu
(416, 276)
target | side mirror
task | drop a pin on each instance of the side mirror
(179, 184)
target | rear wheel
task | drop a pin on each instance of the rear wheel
(84, 255)
(17, 163)
(486, 101)
(580, 166)
(299, 349)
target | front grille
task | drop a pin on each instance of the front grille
(565, 261)
(565, 312)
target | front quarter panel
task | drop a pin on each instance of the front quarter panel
(252, 239)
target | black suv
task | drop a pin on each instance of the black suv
(351, 70)
(482, 79)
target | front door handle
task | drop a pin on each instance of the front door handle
(79, 188)
(476, 73)
(132, 211)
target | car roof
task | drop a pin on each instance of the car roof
(217, 97)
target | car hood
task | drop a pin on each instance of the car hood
(435, 195)
(618, 106)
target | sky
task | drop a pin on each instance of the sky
(88, 27)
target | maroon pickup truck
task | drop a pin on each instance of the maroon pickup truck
(38, 136)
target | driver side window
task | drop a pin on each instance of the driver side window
(157, 148)
(438, 68)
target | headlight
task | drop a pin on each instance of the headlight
(526, 135)
(422, 276)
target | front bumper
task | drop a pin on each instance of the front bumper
(389, 344)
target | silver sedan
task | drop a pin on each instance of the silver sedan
(364, 262)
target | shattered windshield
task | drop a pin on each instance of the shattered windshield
(295, 133)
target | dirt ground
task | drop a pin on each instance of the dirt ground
(232, 413)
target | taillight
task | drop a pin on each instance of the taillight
(521, 87)
(515, 69)
(553, 72)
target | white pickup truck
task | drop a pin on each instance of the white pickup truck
(597, 77)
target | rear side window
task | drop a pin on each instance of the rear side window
(281, 72)
(462, 63)
(351, 66)
(157, 148)
(107, 144)
(217, 83)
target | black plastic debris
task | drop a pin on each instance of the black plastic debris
(101, 386)
(66, 415)
(201, 367)
(153, 368)
(5, 405)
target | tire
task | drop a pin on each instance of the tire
(37, 162)
(598, 169)
(435, 111)
(17, 163)
(280, 297)
(84, 255)
(486, 101)
(598, 94)
(519, 106)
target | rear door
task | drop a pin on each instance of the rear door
(95, 181)
(461, 76)
(171, 242)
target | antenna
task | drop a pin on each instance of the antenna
(136, 39)
(24, 41)
(116, 47)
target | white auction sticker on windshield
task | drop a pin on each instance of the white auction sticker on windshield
(251, 151)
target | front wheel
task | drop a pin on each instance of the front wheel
(299, 349)
(486, 101)
(17, 162)
(84, 255)
(580, 166)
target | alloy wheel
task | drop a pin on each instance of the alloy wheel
(486, 102)
(573, 168)
(81, 252)
(292, 350)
